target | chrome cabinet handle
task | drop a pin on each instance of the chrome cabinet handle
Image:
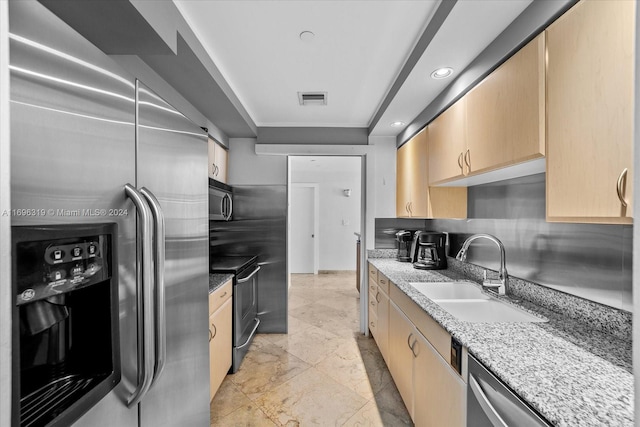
(485, 404)
(460, 162)
(413, 346)
(222, 296)
(409, 339)
(378, 297)
(621, 178)
(467, 160)
(144, 299)
(215, 331)
(159, 263)
(249, 276)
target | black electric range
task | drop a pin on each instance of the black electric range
(232, 264)
(245, 301)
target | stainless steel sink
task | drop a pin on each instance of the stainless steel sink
(468, 303)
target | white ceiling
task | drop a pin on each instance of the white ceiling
(357, 52)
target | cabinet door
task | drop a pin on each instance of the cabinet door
(222, 156)
(505, 112)
(220, 345)
(403, 181)
(419, 203)
(401, 335)
(447, 136)
(212, 158)
(439, 392)
(383, 325)
(590, 87)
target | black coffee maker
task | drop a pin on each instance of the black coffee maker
(429, 250)
(404, 241)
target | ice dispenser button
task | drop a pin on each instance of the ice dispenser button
(57, 254)
(57, 275)
(92, 249)
(76, 252)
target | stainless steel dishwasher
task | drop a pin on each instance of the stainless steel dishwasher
(490, 403)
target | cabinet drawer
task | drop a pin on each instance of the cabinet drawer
(219, 296)
(373, 324)
(437, 336)
(373, 304)
(383, 283)
(373, 273)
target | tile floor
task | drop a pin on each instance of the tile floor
(323, 373)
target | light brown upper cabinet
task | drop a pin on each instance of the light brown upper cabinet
(447, 143)
(411, 178)
(414, 197)
(506, 113)
(590, 113)
(218, 158)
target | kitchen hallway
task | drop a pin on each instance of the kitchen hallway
(322, 373)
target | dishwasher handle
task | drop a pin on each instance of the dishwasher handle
(485, 404)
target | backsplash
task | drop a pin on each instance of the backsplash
(592, 261)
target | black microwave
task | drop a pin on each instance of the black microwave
(220, 201)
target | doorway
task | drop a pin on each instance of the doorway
(303, 244)
(325, 210)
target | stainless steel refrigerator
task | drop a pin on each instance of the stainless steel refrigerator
(91, 144)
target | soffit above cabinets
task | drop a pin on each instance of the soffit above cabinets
(356, 54)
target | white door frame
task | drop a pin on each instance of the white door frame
(316, 220)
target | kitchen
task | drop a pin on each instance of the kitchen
(181, 71)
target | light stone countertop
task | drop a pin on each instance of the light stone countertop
(571, 373)
(218, 279)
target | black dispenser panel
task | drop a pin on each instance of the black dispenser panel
(66, 346)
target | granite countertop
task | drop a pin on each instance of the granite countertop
(218, 279)
(567, 370)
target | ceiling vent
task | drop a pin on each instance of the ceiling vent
(312, 98)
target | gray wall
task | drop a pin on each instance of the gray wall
(592, 261)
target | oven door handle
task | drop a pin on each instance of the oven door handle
(255, 328)
(246, 279)
(159, 261)
(144, 299)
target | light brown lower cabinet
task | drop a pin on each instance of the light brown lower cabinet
(220, 340)
(439, 393)
(401, 336)
(433, 392)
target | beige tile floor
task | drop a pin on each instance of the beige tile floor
(322, 373)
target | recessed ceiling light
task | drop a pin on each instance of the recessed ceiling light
(442, 73)
(397, 124)
(307, 36)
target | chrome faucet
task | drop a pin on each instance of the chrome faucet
(501, 285)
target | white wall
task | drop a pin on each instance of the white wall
(339, 216)
(385, 176)
(245, 167)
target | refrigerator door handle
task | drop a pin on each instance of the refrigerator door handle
(159, 262)
(144, 299)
